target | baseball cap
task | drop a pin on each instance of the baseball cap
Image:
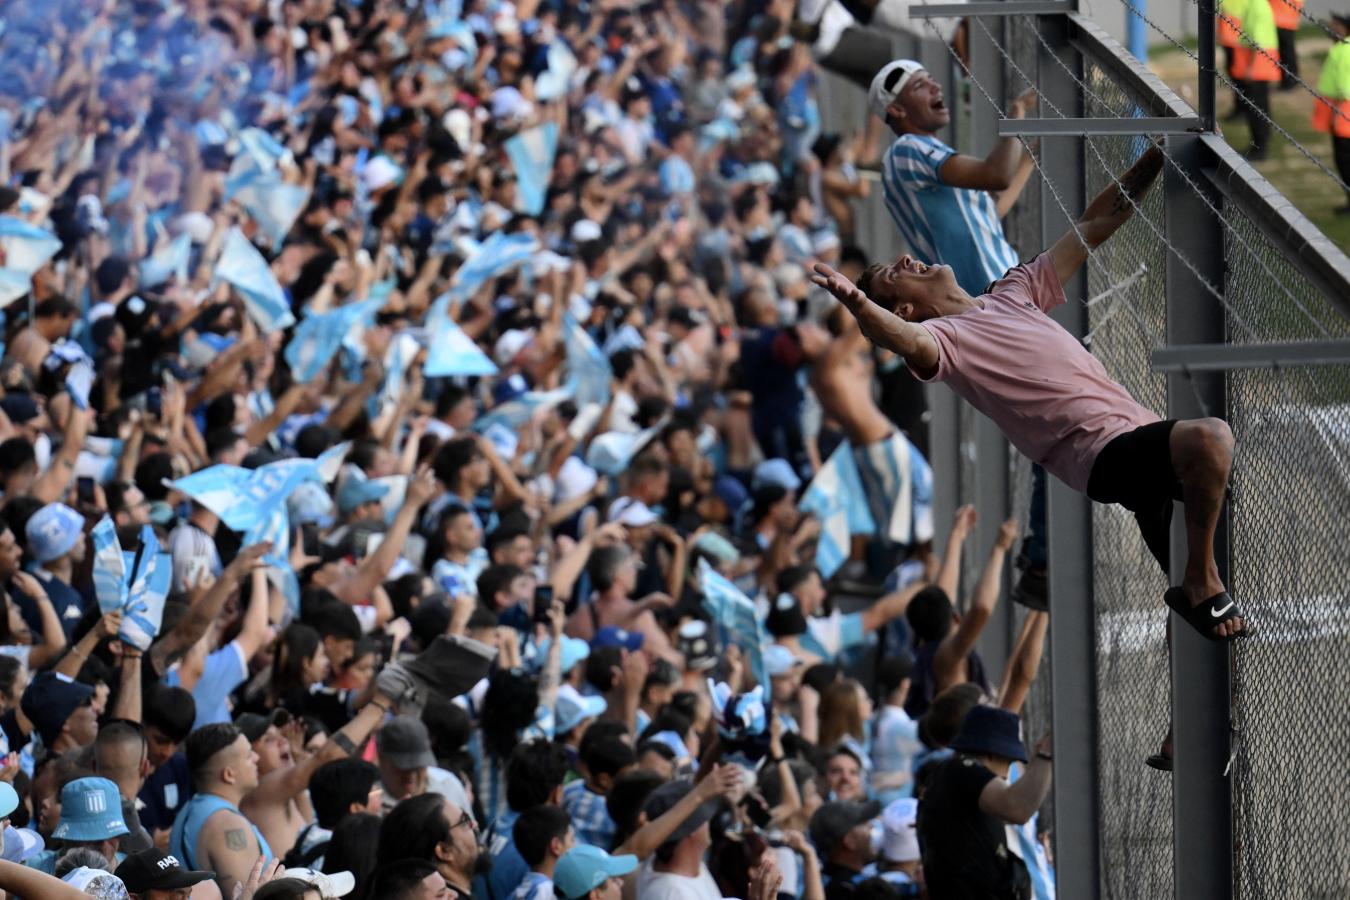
(49, 700)
(52, 531)
(405, 744)
(889, 82)
(779, 660)
(584, 868)
(331, 885)
(91, 810)
(357, 490)
(574, 650)
(614, 636)
(900, 840)
(21, 844)
(96, 883)
(775, 471)
(832, 821)
(154, 870)
(572, 708)
(509, 345)
(631, 512)
(664, 798)
(20, 407)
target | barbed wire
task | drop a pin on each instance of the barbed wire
(1198, 191)
(1237, 90)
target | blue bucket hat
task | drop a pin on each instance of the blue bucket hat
(987, 731)
(614, 636)
(53, 531)
(584, 868)
(357, 490)
(91, 810)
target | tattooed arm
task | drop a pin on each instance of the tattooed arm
(228, 846)
(1106, 213)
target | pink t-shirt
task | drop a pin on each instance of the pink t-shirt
(1015, 364)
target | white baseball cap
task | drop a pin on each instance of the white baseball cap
(887, 85)
(631, 512)
(331, 885)
(900, 842)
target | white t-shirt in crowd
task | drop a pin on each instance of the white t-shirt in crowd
(653, 885)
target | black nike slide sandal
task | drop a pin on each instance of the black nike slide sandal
(1203, 618)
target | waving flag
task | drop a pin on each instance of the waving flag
(402, 350)
(515, 413)
(497, 255)
(13, 285)
(27, 247)
(171, 261)
(837, 499)
(274, 204)
(319, 336)
(587, 368)
(243, 267)
(79, 381)
(734, 615)
(135, 582)
(449, 350)
(531, 153)
(555, 81)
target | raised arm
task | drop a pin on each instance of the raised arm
(204, 609)
(1016, 803)
(949, 575)
(1111, 208)
(890, 607)
(1024, 663)
(885, 329)
(956, 646)
(998, 171)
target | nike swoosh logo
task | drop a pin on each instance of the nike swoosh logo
(1218, 612)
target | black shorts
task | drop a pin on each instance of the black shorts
(1135, 471)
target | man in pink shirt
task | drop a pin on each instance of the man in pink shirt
(1053, 399)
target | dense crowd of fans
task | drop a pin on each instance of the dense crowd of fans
(410, 416)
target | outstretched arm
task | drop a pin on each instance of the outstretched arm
(885, 329)
(1105, 214)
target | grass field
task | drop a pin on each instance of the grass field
(1310, 189)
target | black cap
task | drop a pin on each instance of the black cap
(155, 870)
(833, 821)
(664, 798)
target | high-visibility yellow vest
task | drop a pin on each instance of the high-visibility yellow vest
(1256, 57)
(1331, 113)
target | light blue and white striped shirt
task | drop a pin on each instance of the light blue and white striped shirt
(589, 815)
(958, 227)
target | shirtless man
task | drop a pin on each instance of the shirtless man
(895, 476)
(1054, 400)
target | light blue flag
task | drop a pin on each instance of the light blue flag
(275, 527)
(515, 413)
(79, 381)
(554, 81)
(319, 336)
(274, 204)
(587, 367)
(13, 285)
(837, 499)
(625, 338)
(734, 614)
(531, 153)
(171, 261)
(449, 350)
(497, 255)
(109, 568)
(402, 349)
(147, 588)
(27, 247)
(243, 267)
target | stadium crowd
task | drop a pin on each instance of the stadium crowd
(429, 471)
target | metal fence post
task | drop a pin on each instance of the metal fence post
(991, 489)
(1072, 617)
(1202, 800)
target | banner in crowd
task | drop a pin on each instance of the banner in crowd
(135, 582)
(531, 153)
(734, 615)
(241, 266)
(588, 369)
(449, 350)
(319, 336)
(836, 498)
(497, 255)
(27, 248)
(169, 261)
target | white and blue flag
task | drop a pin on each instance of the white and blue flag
(497, 255)
(13, 285)
(79, 381)
(243, 267)
(515, 413)
(588, 369)
(734, 615)
(170, 261)
(319, 336)
(27, 247)
(836, 498)
(449, 350)
(531, 153)
(135, 582)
